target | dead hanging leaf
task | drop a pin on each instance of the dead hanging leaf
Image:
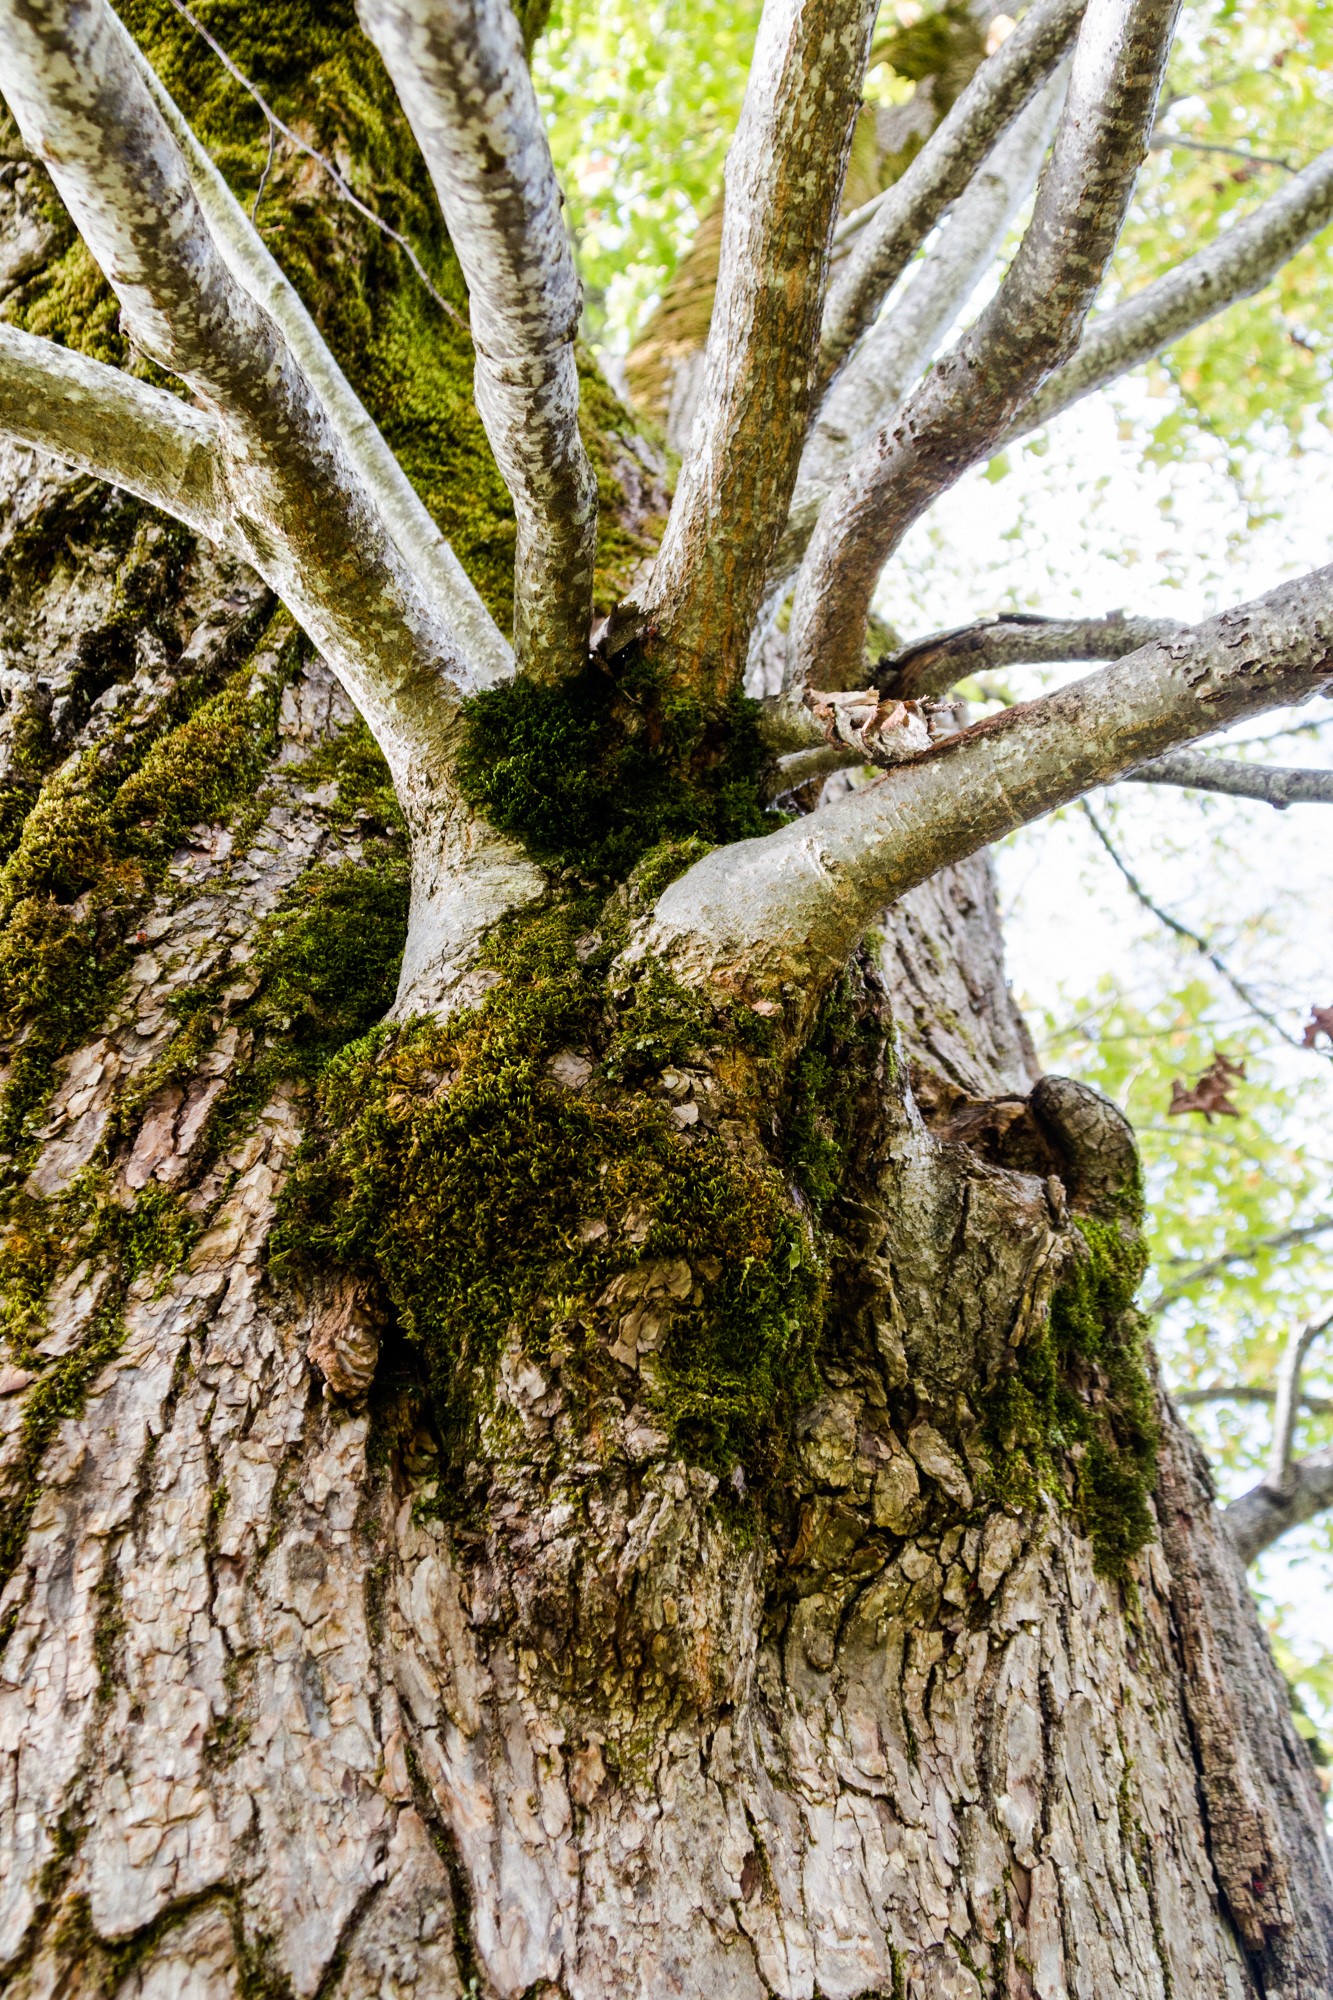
(1319, 1023)
(1209, 1095)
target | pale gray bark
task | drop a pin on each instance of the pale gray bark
(461, 74)
(908, 210)
(782, 913)
(117, 428)
(1199, 772)
(784, 178)
(904, 339)
(1266, 1513)
(1236, 264)
(936, 664)
(301, 513)
(432, 561)
(1031, 326)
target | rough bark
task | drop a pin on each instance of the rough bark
(885, 1721)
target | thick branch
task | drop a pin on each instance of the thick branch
(461, 74)
(1238, 263)
(902, 342)
(1031, 326)
(782, 913)
(300, 511)
(908, 210)
(784, 178)
(1261, 1516)
(438, 572)
(1279, 786)
(119, 429)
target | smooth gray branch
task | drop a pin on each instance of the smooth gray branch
(1236, 264)
(1275, 785)
(784, 178)
(934, 665)
(954, 419)
(780, 914)
(462, 77)
(1261, 1517)
(117, 428)
(300, 510)
(907, 334)
(437, 570)
(906, 212)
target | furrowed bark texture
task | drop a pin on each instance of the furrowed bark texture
(462, 74)
(261, 1725)
(784, 180)
(268, 1725)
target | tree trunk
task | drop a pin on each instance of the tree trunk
(341, 1660)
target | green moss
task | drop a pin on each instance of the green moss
(595, 771)
(482, 1195)
(845, 1047)
(98, 838)
(1080, 1393)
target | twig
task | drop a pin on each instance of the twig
(294, 139)
(1165, 142)
(1288, 1399)
(1247, 1392)
(1183, 931)
(1276, 786)
(1212, 1267)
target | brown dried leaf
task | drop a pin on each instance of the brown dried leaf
(1319, 1023)
(1209, 1095)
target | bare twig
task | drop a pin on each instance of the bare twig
(784, 179)
(1182, 930)
(321, 160)
(1167, 142)
(460, 71)
(1287, 1399)
(957, 415)
(898, 222)
(1275, 786)
(1236, 264)
(1193, 1274)
(1246, 1392)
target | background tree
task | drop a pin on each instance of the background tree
(729, 1539)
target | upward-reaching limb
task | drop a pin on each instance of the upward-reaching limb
(460, 71)
(438, 572)
(300, 512)
(1029, 328)
(900, 345)
(1236, 264)
(784, 178)
(908, 211)
(1293, 1490)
